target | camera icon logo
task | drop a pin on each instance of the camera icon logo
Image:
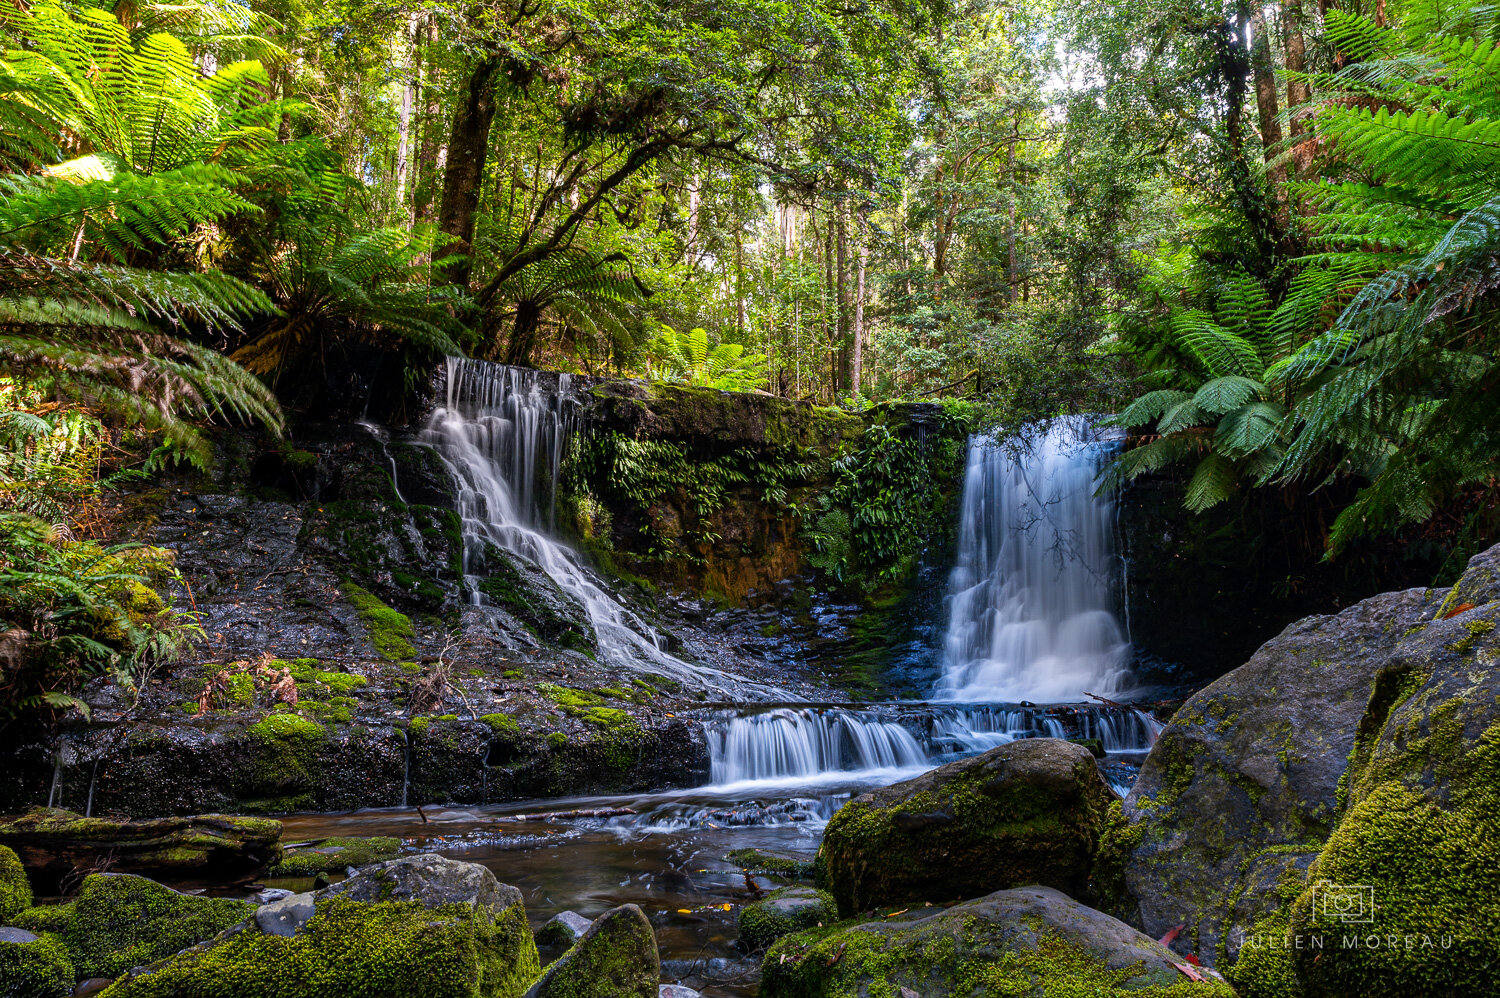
(1353, 904)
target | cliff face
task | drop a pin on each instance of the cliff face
(729, 495)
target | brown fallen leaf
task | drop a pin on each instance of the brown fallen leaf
(895, 913)
(1187, 971)
(838, 955)
(1461, 608)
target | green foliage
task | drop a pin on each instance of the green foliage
(73, 609)
(891, 496)
(687, 357)
(636, 475)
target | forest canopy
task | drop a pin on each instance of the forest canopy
(1264, 237)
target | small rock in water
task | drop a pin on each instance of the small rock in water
(563, 929)
(269, 894)
(676, 991)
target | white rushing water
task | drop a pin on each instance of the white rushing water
(805, 743)
(499, 430)
(1033, 593)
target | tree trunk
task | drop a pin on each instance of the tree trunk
(468, 146)
(429, 158)
(841, 380)
(1010, 233)
(403, 121)
(1297, 91)
(863, 250)
(1266, 104)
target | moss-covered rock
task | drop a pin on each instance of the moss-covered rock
(118, 921)
(58, 842)
(562, 930)
(760, 861)
(1028, 812)
(1247, 774)
(334, 854)
(390, 630)
(33, 966)
(615, 958)
(15, 889)
(784, 911)
(416, 926)
(1416, 856)
(1031, 941)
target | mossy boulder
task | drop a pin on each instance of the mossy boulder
(562, 930)
(1019, 942)
(33, 966)
(1405, 896)
(416, 926)
(15, 889)
(615, 958)
(784, 911)
(334, 854)
(118, 921)
(59, 842)
(1030, 812)
(1242, 784)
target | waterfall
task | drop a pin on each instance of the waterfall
(808, 743)
(500, 430)
(1034, 592)
(805, 744)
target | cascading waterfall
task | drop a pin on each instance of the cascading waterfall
(1033, 593)
(800, 744)
(805, 744)
(499, 429)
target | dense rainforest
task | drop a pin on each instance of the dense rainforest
(701, 341)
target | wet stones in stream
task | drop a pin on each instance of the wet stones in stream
(784, 911)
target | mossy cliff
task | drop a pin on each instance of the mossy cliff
(726, 494)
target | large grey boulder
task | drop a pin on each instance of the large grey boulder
(1241, 787)
(415, 927)
(1025, 941)
(615, 958)
(1030, 812)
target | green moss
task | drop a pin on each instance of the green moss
(1432, 862)
(755, 861)
(333, 854)
(1118, 841)
(337, 710)
(339, 682)
(846, 962)
(763, 922)
(395, 949)
(119, 921)
(286, 725)
(557, 739)
(933, 844)
(15, 889)
(513, 674)
(390, 630)
(502, 724)
(38, 969)
(570, 701)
